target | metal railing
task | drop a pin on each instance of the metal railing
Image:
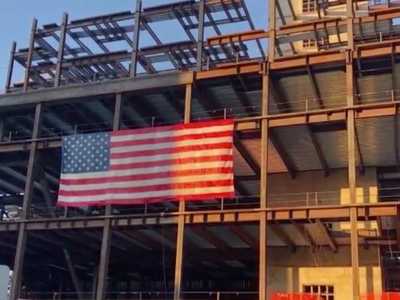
(275, 200)
(143, 295)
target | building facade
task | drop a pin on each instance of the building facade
(315, 103)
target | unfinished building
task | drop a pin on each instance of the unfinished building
(315, 102)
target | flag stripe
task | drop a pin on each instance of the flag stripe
(208, 126)
(149, 200)
(189, 160)
(168, 174)
(152, 194)
(161, 157)
(145, 182)
(150, 188)
(168, 139)
(146, 171)
(172, 150)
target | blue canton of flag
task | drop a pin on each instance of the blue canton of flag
(86, 153)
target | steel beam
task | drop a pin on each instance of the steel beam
(334, 213)
(283, 236)
(95, 89)
(272, 30)
(74, 277)
(104, 260)
(29, 60)
(251, 162)
(10, 68)
(318, 150)
(200, 34)
(263, 237)
(136, 39)
(107, 229)
(327, 235)
(305, 234)
(61, 50)
(351, 149)
(22, 232)
(181, 218)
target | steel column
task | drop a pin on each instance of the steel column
(73, 274)
(10, 67)
(1, 130)
(200, 35)
(107, 229)
(22, 232)
(263, 262)
(61, 49)
(181, 218)
(30, 55)
(104, 260)
(351, 147)
(272, 30)
(136, 39)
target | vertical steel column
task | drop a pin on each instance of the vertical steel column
(30, 55)
(22, 232)
(272, 30)
(263, 255)
(107, 230)
(10, 67)
(61, 49)
(200, 35)
(351, 146)
(136, 39)
(1, 130)
(263, 238)
(73, 274)
(181, 218)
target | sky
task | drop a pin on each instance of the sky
(16, 18)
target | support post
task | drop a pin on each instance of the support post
(107, 229)
(22, 232)
(136, 38)
(1, 130)
(104, 260)
(73, 274)
(351, 148)
(181, 217)
(10, 67)
(30, 55)
(272, 30)
(61, 49)
(200, 35)
(263, 255)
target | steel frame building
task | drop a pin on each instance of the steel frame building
(336, 108)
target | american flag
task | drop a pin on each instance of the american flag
(179, 162)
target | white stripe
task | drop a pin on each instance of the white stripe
(152, 170)
(170, 133)
(171, 145)
(143, 195)
(170, 156)
(147, 182)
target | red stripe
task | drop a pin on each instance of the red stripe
(200, 197)
(172, 174)
(151, 188)
(172, 150)
(173, 139)
(200, 124)
(172, 162)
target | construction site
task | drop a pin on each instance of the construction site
(315, 100)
